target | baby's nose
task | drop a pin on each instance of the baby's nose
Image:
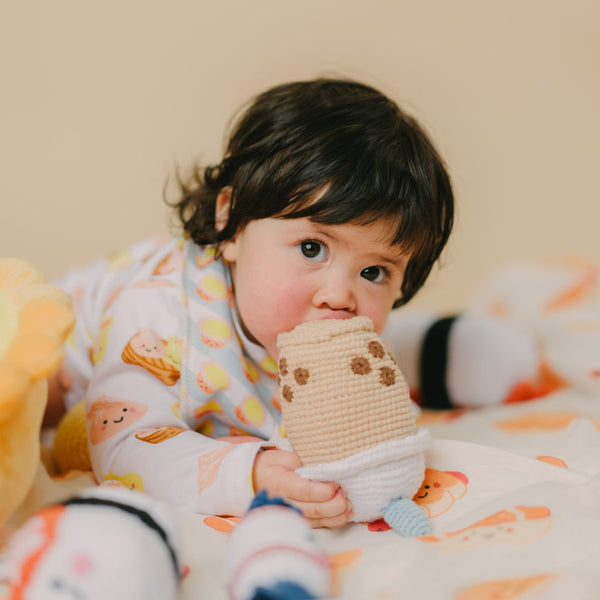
(336, 294)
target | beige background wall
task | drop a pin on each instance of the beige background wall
(99, 101)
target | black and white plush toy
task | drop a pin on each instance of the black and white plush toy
(465, 360)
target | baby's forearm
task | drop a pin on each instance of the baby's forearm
(182, 467)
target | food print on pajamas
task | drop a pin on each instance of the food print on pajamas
(178, 400)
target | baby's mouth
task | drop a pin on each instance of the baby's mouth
(335, 314)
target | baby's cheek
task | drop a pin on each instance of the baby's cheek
(288, 307)
(293, 306)
(292, 299)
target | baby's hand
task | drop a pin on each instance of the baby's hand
(323, 504)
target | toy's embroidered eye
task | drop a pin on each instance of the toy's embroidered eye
(374, 274)
(313, 250)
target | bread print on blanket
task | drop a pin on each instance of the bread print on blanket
(107, 416)
(515, 525)
(538, 421)
(158, 356)
(437, 494)
(440, 490)
(222, 524)
(519, 588)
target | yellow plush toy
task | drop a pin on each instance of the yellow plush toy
(35, 319)
(70, 442)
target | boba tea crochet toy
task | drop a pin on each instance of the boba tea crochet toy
(348, 415)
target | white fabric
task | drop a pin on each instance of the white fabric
(377, 475)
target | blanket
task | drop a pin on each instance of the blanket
(512, 491)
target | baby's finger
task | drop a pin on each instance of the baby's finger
(298, 489)
(332, 522)
(333, 510)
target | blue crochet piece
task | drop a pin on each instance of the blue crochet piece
(283, 590)
(406, 518)
(262, 499)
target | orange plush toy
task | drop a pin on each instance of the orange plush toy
(35, 319)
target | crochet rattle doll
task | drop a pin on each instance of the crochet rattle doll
(348, 415)
(105, 543)
(272, 554)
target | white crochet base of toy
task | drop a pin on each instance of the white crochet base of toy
(374, 477)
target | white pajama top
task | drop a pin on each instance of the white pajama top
(178, 400)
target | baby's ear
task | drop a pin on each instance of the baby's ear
(222, 205)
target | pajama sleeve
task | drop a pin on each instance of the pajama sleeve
(138, 431)
(92, 288)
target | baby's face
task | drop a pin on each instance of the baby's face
(289, 271)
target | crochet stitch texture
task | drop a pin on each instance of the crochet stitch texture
(342, 391)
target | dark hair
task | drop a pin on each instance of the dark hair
(339, 137)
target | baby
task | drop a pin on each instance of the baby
(329, 203)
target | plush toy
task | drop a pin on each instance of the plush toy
(272, 554)
(467, 360)
(107, 542)
(70, 449)
(348, 415)
(35, 319)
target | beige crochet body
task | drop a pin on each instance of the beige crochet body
(342, 392)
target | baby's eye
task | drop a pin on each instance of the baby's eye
(375, 274)
(313, 250)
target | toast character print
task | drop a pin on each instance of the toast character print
(347, 413)
(158, 356)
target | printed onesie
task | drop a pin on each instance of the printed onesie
(172, 384)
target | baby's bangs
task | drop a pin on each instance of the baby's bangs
(338, 204)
